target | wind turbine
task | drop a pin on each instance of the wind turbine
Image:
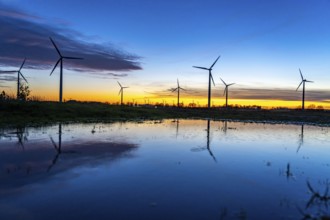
(60, 60)
(19, 73)
(178, 89)
(303, 83)
(226, 91)
(121, 91)
(210, 78)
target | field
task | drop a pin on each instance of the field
(40, 113)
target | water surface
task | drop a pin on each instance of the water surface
(171, 169)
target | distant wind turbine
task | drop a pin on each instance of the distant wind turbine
(210, 78)
(60, 60)
(303, 83)
(121, 91)
(226, 90)
(19, 73)
(178, 89)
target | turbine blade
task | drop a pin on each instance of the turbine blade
(22, 64)
(309, 81)
(212, 79)
(177, 81)
(53, 142)
(73, 58)
(55, 66)
(22, 76)
(120, 85)
(223, 82)
(120, 91)
(231, 84)
(214, 62)
(182, 89)
(299, 85)
(302, 78)
(173, 90)
(203, 68)
(58, 51)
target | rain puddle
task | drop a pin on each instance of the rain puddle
(171, 169)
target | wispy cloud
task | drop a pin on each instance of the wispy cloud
(252, 94)
(24, 35)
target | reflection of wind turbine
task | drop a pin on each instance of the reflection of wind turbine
(177, 127)
(224, 128)
(178, 89)
(58, 147)
(197, 149)
(301, 140)
(19, 73)
(226, 91)
(210, 78)
(303, 83)
(121, 91)
(60, 60)
(208, 140)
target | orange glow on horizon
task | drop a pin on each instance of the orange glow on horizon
(142, 98)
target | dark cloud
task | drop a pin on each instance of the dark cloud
(8, 78)
(23, 35)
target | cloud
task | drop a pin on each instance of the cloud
(23, 35)
(252, 94)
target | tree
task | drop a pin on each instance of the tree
(24, 92)
(4, 96)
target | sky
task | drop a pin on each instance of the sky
(147, 45)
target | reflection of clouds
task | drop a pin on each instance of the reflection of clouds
(19, 168)
(24, 35)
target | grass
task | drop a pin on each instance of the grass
(13, 113)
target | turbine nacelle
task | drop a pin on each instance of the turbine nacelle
(303, 80)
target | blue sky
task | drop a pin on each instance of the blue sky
(262, 43)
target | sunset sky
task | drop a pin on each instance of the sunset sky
(147, 44)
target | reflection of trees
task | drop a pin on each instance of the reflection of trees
(21, 134)
(301, 138)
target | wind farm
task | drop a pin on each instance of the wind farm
(164, 109)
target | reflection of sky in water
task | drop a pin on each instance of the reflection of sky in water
(163, 170)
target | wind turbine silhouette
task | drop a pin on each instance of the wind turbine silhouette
(226, 91)
(303, 83)
(210, 78)
(121, 91)
(60, 60)
(19, 73)
(178, 89)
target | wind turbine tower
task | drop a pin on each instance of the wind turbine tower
(121, 92)
(60, 60)
(19, 73)
(303, 81)
(226, 90)
(210, 78)
(178, 89)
